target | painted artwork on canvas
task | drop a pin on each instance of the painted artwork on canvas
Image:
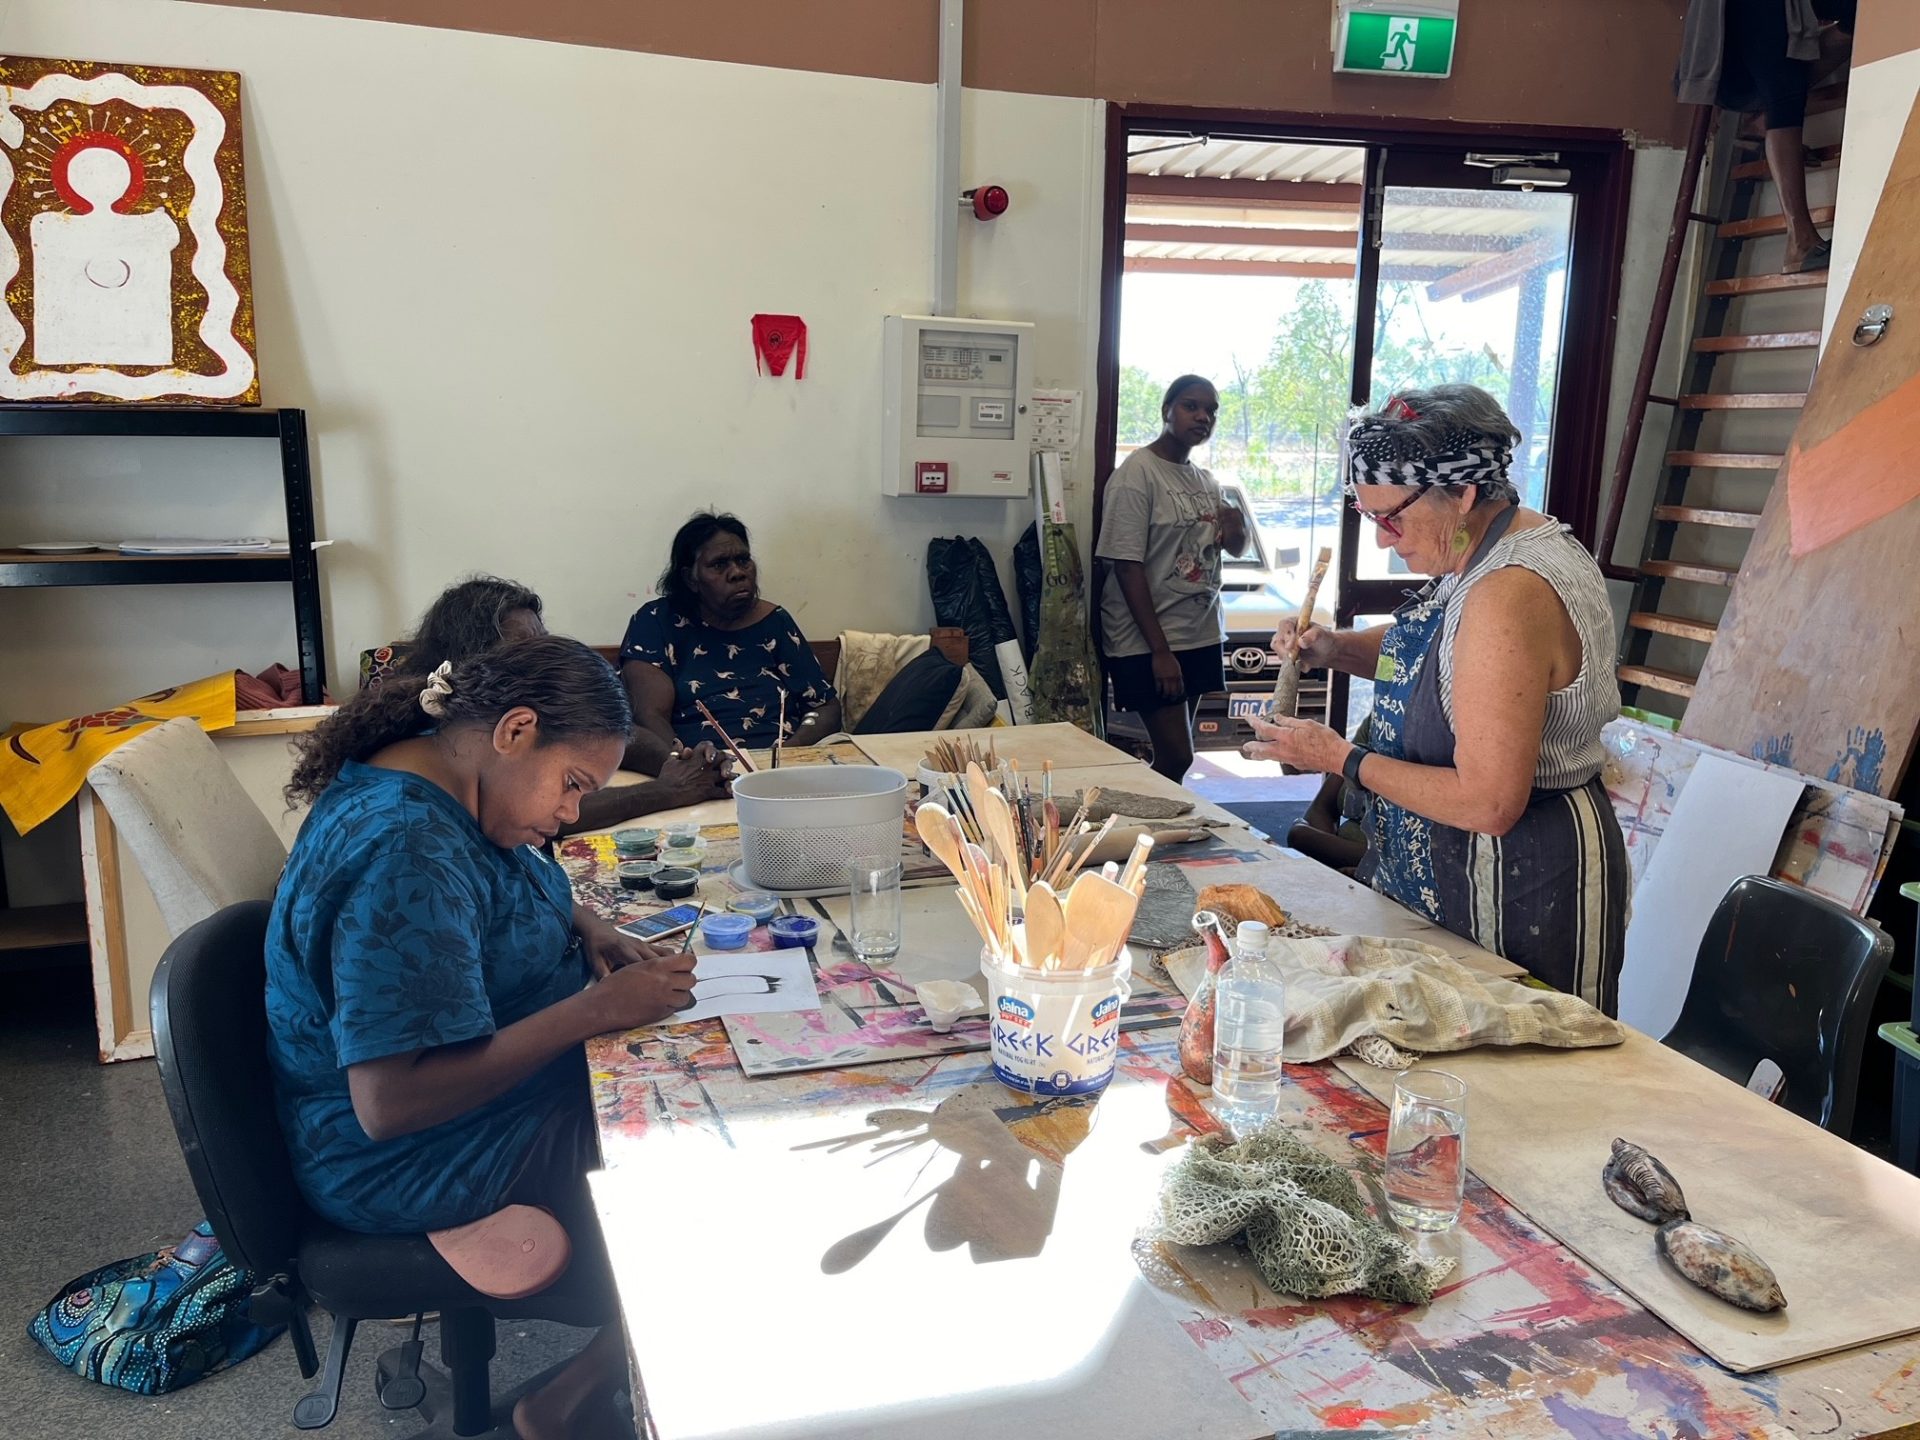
(124, 273)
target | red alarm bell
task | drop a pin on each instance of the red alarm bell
(988, 201)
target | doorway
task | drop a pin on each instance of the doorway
(1308, 268)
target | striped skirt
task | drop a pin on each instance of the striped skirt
(1549, 895)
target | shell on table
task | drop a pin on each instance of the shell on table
(1720, 1265)
(1639, 1184)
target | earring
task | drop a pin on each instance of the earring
(1461, 539)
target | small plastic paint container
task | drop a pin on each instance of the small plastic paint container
(757, 904)
(639, 874)
(675, 882)
(693, 856)
(679, 837)
(638, 844)
(726, 932)
(790, 932)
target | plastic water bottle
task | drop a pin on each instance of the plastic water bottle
(1249, 1029)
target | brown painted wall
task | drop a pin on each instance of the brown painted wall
(1886, 27)
(1599, 63)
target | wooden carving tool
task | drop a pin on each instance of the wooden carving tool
(1286, 685)
(1046, 927)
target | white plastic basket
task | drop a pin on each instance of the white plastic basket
(801, 826)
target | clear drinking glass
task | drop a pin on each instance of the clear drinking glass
(874, 886)
(1427, 1150)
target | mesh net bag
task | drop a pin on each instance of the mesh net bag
(1304, 1221)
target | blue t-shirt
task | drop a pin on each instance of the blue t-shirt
(399, 926)
(738, 674)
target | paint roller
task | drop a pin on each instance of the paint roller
(1286, 685)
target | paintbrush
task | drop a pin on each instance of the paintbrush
(699, 914)
(738, 753)
(779, 732)
(1092, 845)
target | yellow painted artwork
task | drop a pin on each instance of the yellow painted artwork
(42, 767)
(124, 272)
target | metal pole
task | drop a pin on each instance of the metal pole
(946, 170)
(1683, 201)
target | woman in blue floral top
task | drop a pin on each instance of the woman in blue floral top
(711, 639)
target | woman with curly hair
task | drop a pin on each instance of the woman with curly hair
(431, 983)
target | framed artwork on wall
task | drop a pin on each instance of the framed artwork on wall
(124, 272)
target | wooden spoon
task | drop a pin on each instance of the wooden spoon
(1099, 915)
(935, 824)
(1046, 926)
(996, 818)
(977, 788)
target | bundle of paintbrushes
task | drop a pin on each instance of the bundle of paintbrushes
(1020, 875)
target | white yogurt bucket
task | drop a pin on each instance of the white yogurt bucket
(1055, 1032)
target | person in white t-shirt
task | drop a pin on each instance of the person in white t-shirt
(1162, 530)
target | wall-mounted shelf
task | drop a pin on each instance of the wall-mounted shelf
(19, 568)
(297, 566)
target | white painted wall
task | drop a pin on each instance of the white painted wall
(511, 283)
(1656, 177)
(1880, 96)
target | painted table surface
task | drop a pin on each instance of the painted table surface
(1525, 1339)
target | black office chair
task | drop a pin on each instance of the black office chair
(1786, 976)
(209, 1037)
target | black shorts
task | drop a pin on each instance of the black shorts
(1756, 73)
(553, 1176)
(1202, 670)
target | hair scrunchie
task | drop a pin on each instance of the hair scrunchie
(438, 690)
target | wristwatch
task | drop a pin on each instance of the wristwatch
(1351, 770)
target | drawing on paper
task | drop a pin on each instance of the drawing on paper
(124, 271)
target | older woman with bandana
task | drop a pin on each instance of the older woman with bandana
(1491, 686)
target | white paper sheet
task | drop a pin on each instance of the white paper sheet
(1726, 823)
(749, 982)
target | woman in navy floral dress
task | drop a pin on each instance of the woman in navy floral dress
(710, 638)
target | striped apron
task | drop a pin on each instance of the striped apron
(1550, 894)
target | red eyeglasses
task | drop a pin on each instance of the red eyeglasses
(1385, 518)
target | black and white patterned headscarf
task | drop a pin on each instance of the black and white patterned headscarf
(1379, 452)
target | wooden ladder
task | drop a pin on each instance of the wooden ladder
(1676, 527)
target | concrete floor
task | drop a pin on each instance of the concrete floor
(93, 1174)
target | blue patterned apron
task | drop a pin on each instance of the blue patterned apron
(1551, 893)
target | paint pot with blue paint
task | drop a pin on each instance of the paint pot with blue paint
(726, 932)
(1055, 1032)
(793, 932)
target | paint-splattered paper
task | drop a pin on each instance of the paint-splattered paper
(1836, 842)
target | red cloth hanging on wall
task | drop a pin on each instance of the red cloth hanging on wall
(775, 337)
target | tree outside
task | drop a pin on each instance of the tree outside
(1279, 425)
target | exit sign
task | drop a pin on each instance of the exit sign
(1381, 43)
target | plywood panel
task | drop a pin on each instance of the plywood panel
(1809, 667)
(1027, 745)
(1834, 1222)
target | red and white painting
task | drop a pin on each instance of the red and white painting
(124, 273)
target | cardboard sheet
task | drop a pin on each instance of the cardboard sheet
(1726, 823)
(1840, 1228)
(1029, 745)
